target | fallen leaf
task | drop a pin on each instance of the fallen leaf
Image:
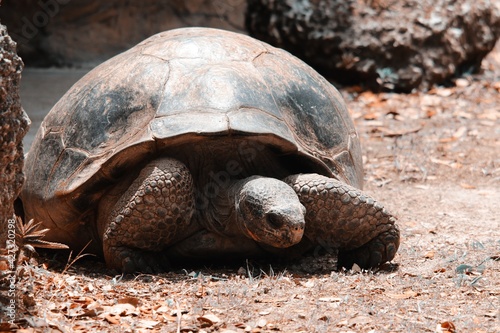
(467, 186)
(448, 140)
(134, 301)
(355, 268)
(308, 283)
(176, 312)
(491, 314)
(371, 116)
(429, 113)
(444, 92)
(394, 133)
(445, 327)
(429, 254)
(261, 323)
(496, 85)
(460, 132)
(430, 100)
(369, 98)
(463, 114)
(451, 164)
(111, 319)
(123, 309)
(461, 82)
(147, 324)
(210, 319)
(330, 299)
(490, 114)
(406, 295)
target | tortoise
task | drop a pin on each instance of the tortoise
(200, 143)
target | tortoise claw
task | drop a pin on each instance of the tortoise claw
(133, 261)
(377, 251)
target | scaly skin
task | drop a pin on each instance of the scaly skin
(143, 219)
(342, 217)
(152, 213)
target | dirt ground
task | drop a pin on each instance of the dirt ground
(434, 160)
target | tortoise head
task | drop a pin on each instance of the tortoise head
(269, 211)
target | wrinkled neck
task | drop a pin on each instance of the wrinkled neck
(219, 214)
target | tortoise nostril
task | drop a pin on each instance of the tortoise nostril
(274, 220)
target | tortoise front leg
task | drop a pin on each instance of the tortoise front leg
(137, 222)
(342, 217)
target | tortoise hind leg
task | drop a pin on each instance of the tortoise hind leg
(139, 220)
(342, 217)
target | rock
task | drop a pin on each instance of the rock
(76, 33)
(14, 124)
(381, 44)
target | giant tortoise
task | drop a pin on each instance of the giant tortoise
(203, 144)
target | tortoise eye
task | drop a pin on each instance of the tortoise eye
(274, 220)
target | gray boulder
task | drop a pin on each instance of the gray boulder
(382, 44)
(14, 124)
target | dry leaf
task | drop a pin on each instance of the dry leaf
(429, 113)
(491, 314)
(123, 309)
(89, 287)
(451, 164)
(308, 283)
(461, 82)
(134, 301)
(429, 254)
(355, 268)
(371, 116)
(393, 133)
(463, 114)
(448, 140)
(261, 323)
(445, 327)
(111, 319)
(444, 92)
(209, 318)
(147, 324)
(430, 100)
(460, 132)
(406, 295)
(330, 299)
(496, 85)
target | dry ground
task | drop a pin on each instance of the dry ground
(433, 158)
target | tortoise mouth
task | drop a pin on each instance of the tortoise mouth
(278, 238)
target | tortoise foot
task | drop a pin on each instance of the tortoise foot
(342, 217)
(377, 251)
(128, 260)
(153, 212)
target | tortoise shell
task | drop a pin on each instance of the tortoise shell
(175, 88)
